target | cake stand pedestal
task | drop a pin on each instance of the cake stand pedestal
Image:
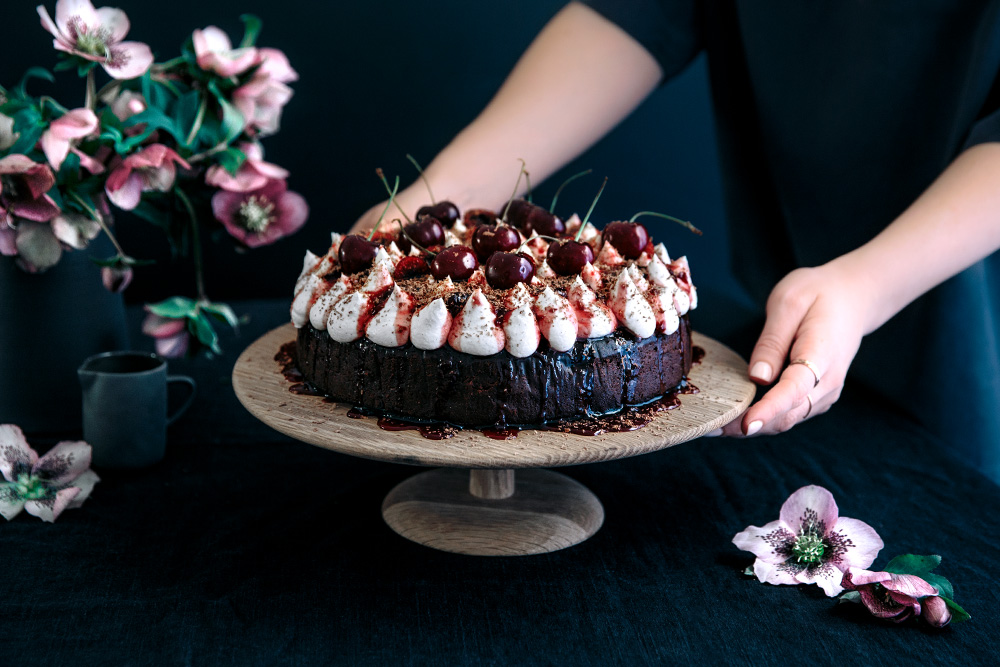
(489, 497)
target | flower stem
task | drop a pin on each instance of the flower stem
(198, 119)
(99, 219)
(91, 99)
(199, 276)
(209, 153)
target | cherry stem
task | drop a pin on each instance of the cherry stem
(569, 180)
(591, 210)
(514, 193)
(527, 181)
(381, 175)
(422, 177)
(392, 198)
(683, 223)
(535, 238)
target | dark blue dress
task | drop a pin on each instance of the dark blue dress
(832, 117)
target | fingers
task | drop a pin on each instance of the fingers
(784, 316)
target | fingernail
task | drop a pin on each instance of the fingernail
(754, 427)
(714, 434)
(762, 371)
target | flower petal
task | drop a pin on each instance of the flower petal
(882, 606)
(774, 573)
(11, 503)
(75, 230)
(63, 463)
(48, 23)
(853, 543)
(825, 575)
(210, 39)
(42, 209)
(856, 577)
(55, 148)
(49, 509)
(129, 60)
(8, 240)
(85, 482)
(909, 585)
(67, 9)
(115, 21)
(16, 456)
(771, 543)
(38, 248)
(127, 196)
(810, 506)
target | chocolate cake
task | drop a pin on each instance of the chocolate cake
(494, 325)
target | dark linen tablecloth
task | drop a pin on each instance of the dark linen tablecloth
(244, 547)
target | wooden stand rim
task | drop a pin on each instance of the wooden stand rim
(721, 377)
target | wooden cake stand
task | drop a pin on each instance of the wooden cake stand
(472, 505)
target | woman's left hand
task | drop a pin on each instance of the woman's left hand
(816, 318)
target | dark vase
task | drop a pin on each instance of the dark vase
(50, 323)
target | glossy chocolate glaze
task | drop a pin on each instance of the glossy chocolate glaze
(595, 377)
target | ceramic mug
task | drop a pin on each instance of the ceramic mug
(125, 407)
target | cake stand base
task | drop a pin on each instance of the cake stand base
(484, 513)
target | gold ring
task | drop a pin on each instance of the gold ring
(808, 364)
(809, 411)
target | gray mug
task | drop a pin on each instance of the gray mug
(125, 407)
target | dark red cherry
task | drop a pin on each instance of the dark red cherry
(411, 267)
(506, 269)
(457, 262)
(479, 216)
(568, 257)
(628, 238)
(444, 211)
(356, 253)
(544, 223)
(385, 238)
(426, 231)
(487, 240)
(518, 212)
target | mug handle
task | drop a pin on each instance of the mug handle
(187, 403)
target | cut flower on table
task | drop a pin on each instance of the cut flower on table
(810, 543)
(45, 486)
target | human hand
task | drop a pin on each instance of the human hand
(815, 314)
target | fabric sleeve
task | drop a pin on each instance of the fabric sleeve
(671, 30)
(987, 126)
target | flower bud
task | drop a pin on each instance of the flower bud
(116, 278)
(935, 611)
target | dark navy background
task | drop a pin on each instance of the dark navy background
(384, 78)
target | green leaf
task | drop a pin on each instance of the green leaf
(222, 312)
(957, 613)
(175, 307)
(83, 67)
(945, 589)
(230, 159)
(186, 111)
(29, 137)
(850, 596)
(912, 564)
(232, 119)
(32, 73)
(203, 330)
(109, 121)
(251, 28)
(63, 65)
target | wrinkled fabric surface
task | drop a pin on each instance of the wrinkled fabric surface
(244, 547)
(832, 117)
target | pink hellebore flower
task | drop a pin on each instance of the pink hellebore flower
(171, 335)
(253, 174)
(152, 168)
(810, 543)
(23, 184)
(56, 140)
(96, 35)
(215, 53)
(886, 595)
(261, 216)
(45, 486)
(261, 99)
(127, 104)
